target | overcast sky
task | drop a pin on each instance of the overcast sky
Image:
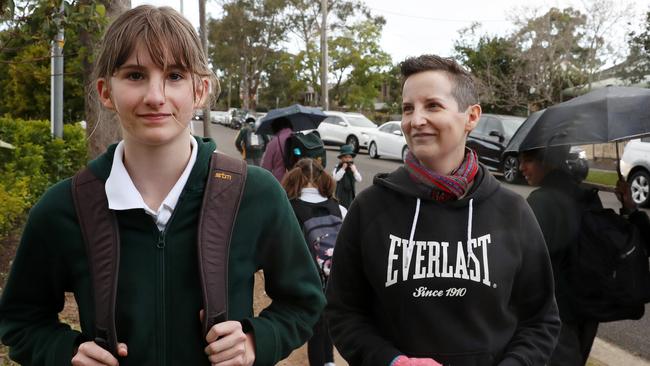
(414, 27)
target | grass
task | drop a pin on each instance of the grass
(602, 177)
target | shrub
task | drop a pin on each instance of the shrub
(38, 161)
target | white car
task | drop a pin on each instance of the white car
(346, 128)
(635, 168)
(388, 141)
(218, 116)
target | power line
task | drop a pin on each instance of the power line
(441, 19)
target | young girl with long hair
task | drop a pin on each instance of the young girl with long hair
(152, 73)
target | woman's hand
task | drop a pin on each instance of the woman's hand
(229, 345)
(91, 354)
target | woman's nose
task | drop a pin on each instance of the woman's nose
(418, 118)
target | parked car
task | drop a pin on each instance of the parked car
(388, 141)
(218, 116)
(238, 117)
(493, 133)
(635, 168)
(341, 128)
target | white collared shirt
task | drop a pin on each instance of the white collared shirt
(123, 195)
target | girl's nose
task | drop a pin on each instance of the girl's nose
(155, 92)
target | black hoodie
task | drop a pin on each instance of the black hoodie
(474, 289)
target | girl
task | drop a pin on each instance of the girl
(311, 193)
(152, 73)
(436, 263)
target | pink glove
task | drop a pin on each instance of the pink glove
(406, 361)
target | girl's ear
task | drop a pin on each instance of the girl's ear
(104, 91)
(473, 116)
(202, 92)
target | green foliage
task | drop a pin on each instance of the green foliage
(37, 162)
(637, 65)
(25, 56)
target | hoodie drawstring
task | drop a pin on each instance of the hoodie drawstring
(415, 221)
(469, 220)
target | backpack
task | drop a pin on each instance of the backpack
(609, 272)
(300, 145)
(100, 232)
(321, 223)
(254, 141)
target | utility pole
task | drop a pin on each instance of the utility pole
(323, 47)
(204, 44)
(56, 93)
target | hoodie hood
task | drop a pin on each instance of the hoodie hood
(399, 181)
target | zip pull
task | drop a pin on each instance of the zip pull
(161, 240)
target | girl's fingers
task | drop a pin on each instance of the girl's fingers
(90, 354)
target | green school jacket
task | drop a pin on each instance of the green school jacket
(159, 298)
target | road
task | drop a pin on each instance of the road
(633, 336)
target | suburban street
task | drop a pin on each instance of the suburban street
(632, 336)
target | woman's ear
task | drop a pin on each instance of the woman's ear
(104, 91)
(473, 116)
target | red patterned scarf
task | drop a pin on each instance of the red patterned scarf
(445, 187)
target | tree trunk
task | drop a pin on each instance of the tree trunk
(102, 126)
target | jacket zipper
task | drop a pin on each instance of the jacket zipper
(161, 302)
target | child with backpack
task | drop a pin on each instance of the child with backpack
(159, 187)
(311, 192)
(346, 176)
(250, 144)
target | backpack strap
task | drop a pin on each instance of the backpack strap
(223, 192)
(100, 233)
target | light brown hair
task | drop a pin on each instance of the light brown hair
(169, 38)
(464, 88)
(307, 171)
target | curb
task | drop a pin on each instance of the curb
(608, 354)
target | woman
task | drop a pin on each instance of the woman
(436, 262)
(152, 73)
(311, 193)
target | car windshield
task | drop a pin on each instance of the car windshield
(510, 125)
(360, 121)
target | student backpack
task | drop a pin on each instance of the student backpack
(100, 232)
(609, 272)
(300, 145)
(320, 223)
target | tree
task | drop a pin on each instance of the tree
(243, 41)
(358, 64)
(637, 65)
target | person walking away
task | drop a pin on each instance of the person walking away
(346, 174)
(436, 262)
(273, 159)
(250, 144)
(152, 73)
(558, 205)
(311, 192)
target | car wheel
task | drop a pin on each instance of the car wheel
(372, 150)
(511, 169)
(405, 152)
(354, 142)
(640, 186)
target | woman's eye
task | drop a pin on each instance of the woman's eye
(406, 109)
(433, 105)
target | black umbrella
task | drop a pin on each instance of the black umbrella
(300, 117)
(603, 115)
(522, 133)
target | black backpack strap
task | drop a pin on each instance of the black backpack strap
(100, 233)
(223, 192)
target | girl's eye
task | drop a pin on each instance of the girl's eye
(175, 76)
(135, 76)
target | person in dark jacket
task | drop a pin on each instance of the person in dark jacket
(346, 174)
(250, 144)
(437, 263)
(558, 204)
(152, 74)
